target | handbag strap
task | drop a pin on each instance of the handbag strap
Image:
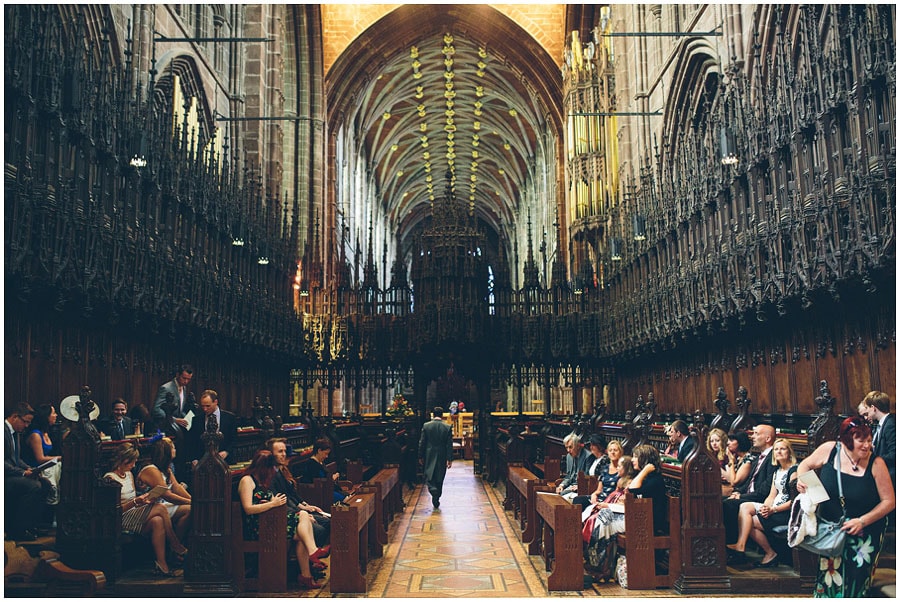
(840, 488)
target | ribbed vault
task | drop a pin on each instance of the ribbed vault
(435, 89)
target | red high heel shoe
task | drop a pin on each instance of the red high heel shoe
(321, 553)
(307, 583)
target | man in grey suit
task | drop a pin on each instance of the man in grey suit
(436, 447)
(176, 390)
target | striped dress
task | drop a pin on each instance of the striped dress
(133, 520)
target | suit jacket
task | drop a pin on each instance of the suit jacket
(886, 445)
(227, 426)
(762, 481)
(108, 426)
(575, 465)
(436, 445)
(171, 387)
(685, 448)
(13, 464)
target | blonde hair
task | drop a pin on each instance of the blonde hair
(723, 443)
(790, 450)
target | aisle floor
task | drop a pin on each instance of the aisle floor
(467, 548)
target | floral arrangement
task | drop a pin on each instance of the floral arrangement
(399, 407)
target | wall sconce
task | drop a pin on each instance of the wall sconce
(728, 146)
(615, 249)
(640, 226)
(263, 259)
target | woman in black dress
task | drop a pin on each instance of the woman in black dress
(868, 497)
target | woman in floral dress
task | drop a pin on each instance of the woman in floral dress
(868, 498)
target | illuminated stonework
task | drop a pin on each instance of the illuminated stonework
(342, 23)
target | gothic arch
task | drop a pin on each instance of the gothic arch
(695, 86)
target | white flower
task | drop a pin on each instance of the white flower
(864, 552)
(832, 576)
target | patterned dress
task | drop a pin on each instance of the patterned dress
(251, 521)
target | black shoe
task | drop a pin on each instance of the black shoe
(766, 565)
(735, 558)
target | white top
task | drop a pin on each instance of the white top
(127, 483)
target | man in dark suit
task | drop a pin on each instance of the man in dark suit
(226, 424)
(680, 441)
(884, 431)
(119, 425)
(176, 391)
(436, 447)
(24, 492)
(756, 488)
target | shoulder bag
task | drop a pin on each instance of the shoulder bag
(829, 539)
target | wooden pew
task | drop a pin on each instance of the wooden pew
(271, 550)
(388, 499)
(318, 493)
(352, 538)
(520, 488)
(587, 484)
(559, 529)
(640, 543)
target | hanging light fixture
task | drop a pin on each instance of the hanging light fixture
(615, 249)
(640, 226)
(728, 146)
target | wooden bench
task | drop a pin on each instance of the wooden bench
(271, 549)
(388, 499)
(520, 488)
(640, 543)
(353, 536)
(587, 484)
(558, 538)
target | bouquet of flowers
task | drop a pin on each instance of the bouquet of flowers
(399, 407)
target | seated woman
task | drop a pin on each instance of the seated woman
(257, 497)
(601, 512)
(38, 448)
(737, 470)
(609, 475)
(177, 500)
(315, 467)
(140, 515)
(756, 519)
(647, 483)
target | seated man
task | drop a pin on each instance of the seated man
(284, 483)
(119, 425)
(25, 492)
(757, 486)
(578, 459)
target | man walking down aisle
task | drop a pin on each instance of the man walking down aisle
(436, 447)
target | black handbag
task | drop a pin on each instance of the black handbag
(829, 539)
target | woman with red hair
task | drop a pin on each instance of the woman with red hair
(257, 497)
(868, 496)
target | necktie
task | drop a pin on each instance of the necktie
(759, 462)
(877, 432)
(120, 432)
(16, 455)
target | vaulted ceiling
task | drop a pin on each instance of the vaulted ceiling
(435, 89)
